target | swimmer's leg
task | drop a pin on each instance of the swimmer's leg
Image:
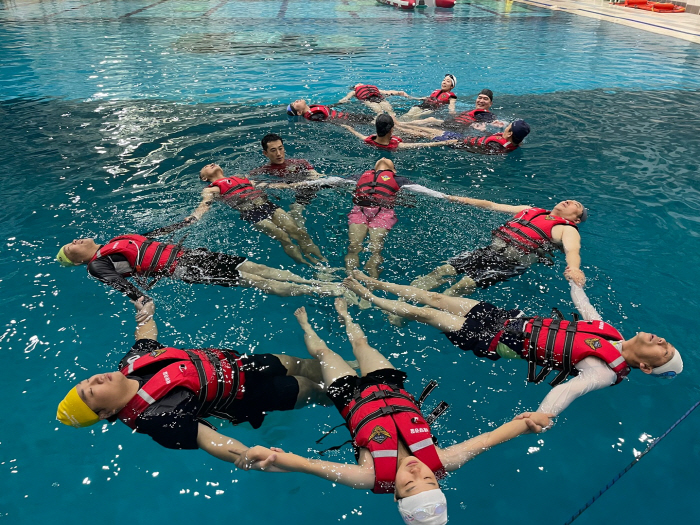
(380, 107)
(465, 286)
(377, 236)
(296, 212)
(369, 358)
(274, 274)
(436, 278)
(356, 235)
(311, 393)
(414, 113)
(332, 365)
(444, 321)
(284, 289)
(419, 131)
(453, 305)
(296, 366)
(288, 225)
(273, 231)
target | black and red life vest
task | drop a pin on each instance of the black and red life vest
(530, 231)
(468, 118)
(214, 376)
(366, 91)
(378, 418)
(393, 143)
(376, 189)
(439, 97)
(237, 188)
(494, 142)
(319, 112)
(145, 257)
(557, 344)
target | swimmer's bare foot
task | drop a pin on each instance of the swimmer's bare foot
(302, 317)
(370, 282)
(354, 285)
(341, 306)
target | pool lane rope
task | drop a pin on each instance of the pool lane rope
(651, 445)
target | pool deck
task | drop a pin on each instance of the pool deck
(679, 25)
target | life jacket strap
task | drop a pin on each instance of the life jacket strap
(235, 381)
(383, 411)
(567, 366)
(203, 383)
(432, 384)
(532, 349)
(437, 412)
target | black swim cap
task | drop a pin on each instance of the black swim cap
(487, 92)
(520, 129)
(290, 111)
(384, 123)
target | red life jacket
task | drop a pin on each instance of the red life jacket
(377, 418)
(215, 376)
(491, 141)
(556, 344)
(319, 112)
(376, 189)
(237, 188)
(475, 115)
(146, 257)
(393, 143)
(363, 92)
(441, 97)
(531, 231)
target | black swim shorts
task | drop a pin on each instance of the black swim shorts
(259, 213)
(343, 389)
(267, 387)
(487, 266)
(201, 266)
(481, 325)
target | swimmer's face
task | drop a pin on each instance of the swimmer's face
(275, 152)
(299, 106)
(413, 477)
(104, 393)
(210, 171)
(570, 210)
(483, 102)
(80, 251)
(446, 84)
(649, 350)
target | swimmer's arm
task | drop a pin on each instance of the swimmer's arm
(413, 145)
(487, 205)
(103, 270)
(208, 196)
(457, 455)
(594, 374)
(354, 476)
(417, 188)
(346, 98)
(395, 93)
(571, 239)
(354, 132)
(452, 105)
(146, 327)
(582, 304)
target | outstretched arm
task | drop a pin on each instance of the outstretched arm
(146, 327)
(413, 145)
(487, 205)
(208, 196)
(355, 476)
(395, 93)
(354, 132)
(571, 239)
(346, 98)
(457, 455)
(582, 304)
(453, 105)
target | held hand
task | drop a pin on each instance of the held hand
(254, 458)
(576, 276)
(536, 422)
(145, 308)
(479, 126)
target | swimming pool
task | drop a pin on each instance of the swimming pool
(108, 111)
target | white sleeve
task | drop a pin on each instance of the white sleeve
(594, 374)
(417, 188)
(330, 181)
(582, 304)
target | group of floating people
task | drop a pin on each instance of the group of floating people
(169, 392)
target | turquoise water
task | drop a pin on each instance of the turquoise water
(109, 109)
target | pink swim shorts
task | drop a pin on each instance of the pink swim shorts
(373, 217)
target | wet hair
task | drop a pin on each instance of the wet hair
(520, 130)
(270, 137)
(384, 123)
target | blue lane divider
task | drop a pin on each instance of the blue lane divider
(651, 445)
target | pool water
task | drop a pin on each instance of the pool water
(109, 109)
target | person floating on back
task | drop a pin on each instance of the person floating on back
(394, 445)
(374, 98)
(385, 139)
(321, 113)
(437, 99)
(591, 350)
(255, 208)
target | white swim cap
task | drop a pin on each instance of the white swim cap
(429, 508)
(453, 79)
(671, 369)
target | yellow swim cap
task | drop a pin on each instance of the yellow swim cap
(63, 258)
(73, 411)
